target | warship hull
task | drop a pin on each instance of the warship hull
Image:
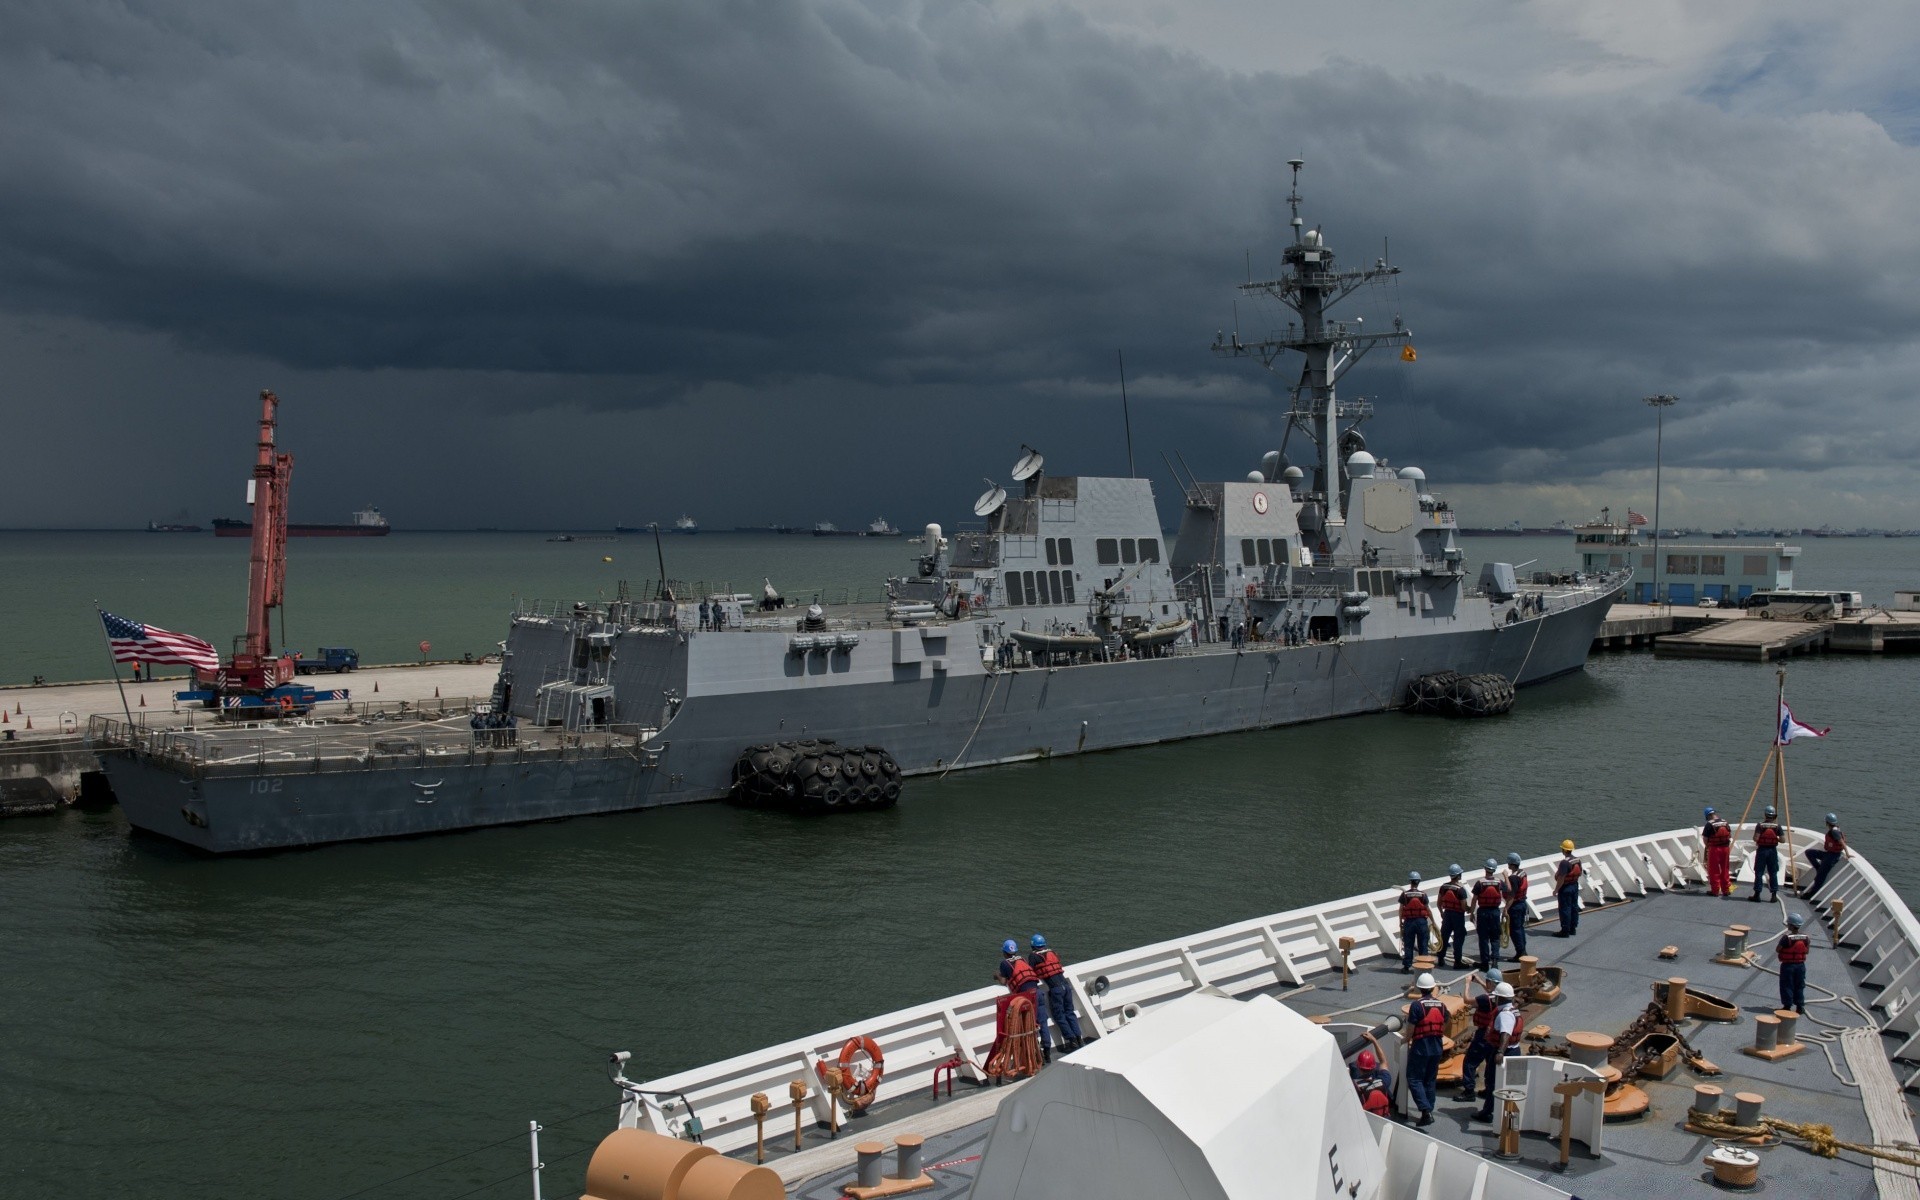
(741, 689)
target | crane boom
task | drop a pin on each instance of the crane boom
(267, 572)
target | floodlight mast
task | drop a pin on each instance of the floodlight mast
(1310, 288)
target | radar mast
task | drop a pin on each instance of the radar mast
(1311, 287)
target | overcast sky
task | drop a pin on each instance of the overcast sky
(539, 264)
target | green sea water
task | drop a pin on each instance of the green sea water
(312, 1024)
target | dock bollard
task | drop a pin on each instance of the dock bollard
(1529, 970)
(1589, 1049)
(1766, 1033)
(1789, 1025)
(1706, 1099)
(1746, 1108)
(909, 1149)
(1676, 999)
(869, 1168)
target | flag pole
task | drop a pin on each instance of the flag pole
(115, 664)
(1780, 772)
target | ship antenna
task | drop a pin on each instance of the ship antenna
(1293, 197)
(1126, 414)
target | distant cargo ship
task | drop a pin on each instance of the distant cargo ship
(367, 522)
(171, 527)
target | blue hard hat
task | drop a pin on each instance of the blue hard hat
(1454, 870)
(1039, 943)
(1770, 810)
(1009, 947)
(1832, 819)
(1707, 811)
(1513, 856)
(1413, 877)
(1491, 864)
(1795, 920)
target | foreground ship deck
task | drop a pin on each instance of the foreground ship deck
(1644, 894)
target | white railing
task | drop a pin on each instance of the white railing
(1282, 950)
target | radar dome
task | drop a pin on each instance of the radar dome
(1413, 474)
(1360, 465)
(1311, 237)
(1256, 477)
(1293, 475)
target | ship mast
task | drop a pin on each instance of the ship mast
(267, 568)
(1330, 348)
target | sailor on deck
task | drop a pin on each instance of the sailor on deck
(1717, 837)
(1453, 917)
(1515, 881)
(1767, 836)
(1503, 1038)
(1426, 1042)
(1791, 950)
(1021, 980)
(1489, 906)
(1053, 977)
(1373, 1083)
(1415, 922)
(1566, 888)
(1831, 852)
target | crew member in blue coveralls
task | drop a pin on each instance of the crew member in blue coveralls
(1415, 922)
(1503, 1039)
(1426, 1031)
(1489, 906)
(1053, 977)
(1518, 914)
(1767, 836)
(1831, 852)
(1791, 950)
(1021, 980)
(1566, 888)
(1453, 918)
(1484, 1006)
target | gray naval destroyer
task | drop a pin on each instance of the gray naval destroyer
(1063, 623)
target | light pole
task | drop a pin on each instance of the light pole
(1660, 405)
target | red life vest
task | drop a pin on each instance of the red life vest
(1426, 1019)
(1517, 887)
(1021, 976)
(1046, 964)
(1793, 948)
(1483, 1006)
(1373, 1096)
(1413, 903)
(1487, 894)
(1569, 872)
(1836, 841)
(1766, 834)
(1453, 898)
(1717, 833)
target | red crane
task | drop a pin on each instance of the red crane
(254, 667)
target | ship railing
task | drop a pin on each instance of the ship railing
(323, 747)
(1257, 955)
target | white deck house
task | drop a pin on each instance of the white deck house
(1691, 572)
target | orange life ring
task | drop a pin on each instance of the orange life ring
(859, 1088)
(960, 605)
(1251, 589)
(286, 704)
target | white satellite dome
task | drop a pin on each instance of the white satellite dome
(1360, 465)
(1413, 474)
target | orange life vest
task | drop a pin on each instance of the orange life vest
(1022, 976)
(1426, 1019)
(1373, 1096)
(1483, 1006)
(1793, 948)
(1766, 834)
(1413, 903)
(1487, 894)
(1046, 964)
(1516, 887)
(1717, 833)
(1453, 898)
(1569, 872)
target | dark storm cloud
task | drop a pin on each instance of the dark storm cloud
(948, 204)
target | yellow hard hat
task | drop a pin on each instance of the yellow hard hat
(1567, 845)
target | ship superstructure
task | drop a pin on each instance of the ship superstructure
(1063, 622)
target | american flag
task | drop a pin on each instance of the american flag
(1634, 518)
(134, 642)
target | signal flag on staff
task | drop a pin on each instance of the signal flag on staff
(1407, 354)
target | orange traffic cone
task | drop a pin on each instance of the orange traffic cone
(143, 699)
(436, 693)
(6, 718)
(29, 722)
(376, 685)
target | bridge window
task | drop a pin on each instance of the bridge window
(1107, 550)
(1066, 581)
(1266, 552)
(1127, 552)
(1066, 552)
(1016, 596)
(1246, 551)
(1036, 595)
(1149, 550)
(1053, 555)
